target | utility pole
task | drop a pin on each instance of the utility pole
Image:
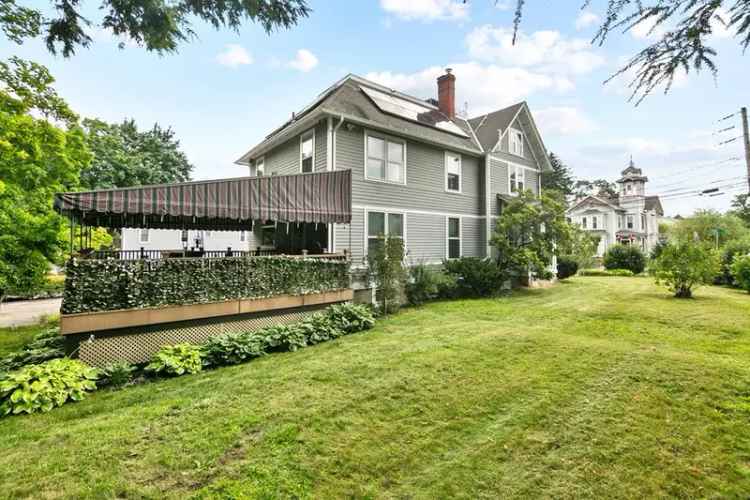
(746, 137)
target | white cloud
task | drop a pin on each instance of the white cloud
(548, 51)
(426, 10)
(503, 4)
(305, 61)
(487, 87)
(647, 29)
(563, 120)
(585, 19)
(233, 56)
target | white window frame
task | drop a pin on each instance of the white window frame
(514, 140)
(260, 166)
(243, 236)
(460, 172)
(584, 222)
(310, 134)
(513, 167)
(386, 213)
(386, 139)
(448, 237)
(594, 222)
(141, 232)
(630, 222)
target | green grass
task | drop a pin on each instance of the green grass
(599, 387)
(12, 339)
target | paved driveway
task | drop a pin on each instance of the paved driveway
(26, 312)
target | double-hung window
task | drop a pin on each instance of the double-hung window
(584, 223)
(260, 166)
(453, 235)
(517, 178)
(386, 159)
(516, 142)
(594, 222)
(452, 172)
(307, 151)
(629, 221)
(380, 224)
(143, 235)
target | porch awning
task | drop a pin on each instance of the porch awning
(224, 204)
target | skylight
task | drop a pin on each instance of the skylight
(413, 111)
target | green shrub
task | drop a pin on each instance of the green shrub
(741, 271)
(606, 272)
(319, 328)
(46, 345)
(281, 338)
(656, 250)
(625, 257)
(566, 267)
(422, 285)
(731, 250)
(176, 360)
(117, 374)
(351, 318)
(103, 285)
(475, 277)
(684, 266)
(447, 285)
(385, 265)
(232, 349)
(42, 387)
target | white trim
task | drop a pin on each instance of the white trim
(487, 204)
(140, 235)
(386, 138)
(448, 237)
(511, 140)
(374, 208)
(302, 138)
(460, 172)
(505, 160)
(516, 168)
(385, 223)
(536, 160)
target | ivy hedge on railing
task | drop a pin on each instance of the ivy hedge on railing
(106, 285)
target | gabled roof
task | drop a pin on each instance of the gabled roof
(486, 126)
(345, 99)
(599, 200)
(654, 203)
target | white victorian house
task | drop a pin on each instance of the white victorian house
(632, 218)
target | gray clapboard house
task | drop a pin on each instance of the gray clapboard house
(419, 171)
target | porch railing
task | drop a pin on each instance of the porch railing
(144, 254)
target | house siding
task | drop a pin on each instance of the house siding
(425, 239)
(285, 159)
(473, 239)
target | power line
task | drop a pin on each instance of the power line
(696, 167)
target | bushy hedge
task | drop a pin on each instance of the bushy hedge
(475, 277)
(566, 267)
(741, 271)
(45, 346)
(105, 285)
(625, 257)
(606, 272)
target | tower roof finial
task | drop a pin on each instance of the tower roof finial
(632, 165)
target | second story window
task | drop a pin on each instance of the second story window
(385, 160)
(307, 151)
(260, 166)
(452, 172)
(517, 178)
(516, 142)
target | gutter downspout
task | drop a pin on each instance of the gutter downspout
(331, 161)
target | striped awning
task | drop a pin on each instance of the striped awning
(224, 204)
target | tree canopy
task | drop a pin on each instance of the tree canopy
(741, 208)
(125, 156)
(711, 227)
(598, 187)
(37, 159)
(158, 25)
(560, 179)
(684, 44)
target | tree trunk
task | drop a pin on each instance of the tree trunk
(683, 292)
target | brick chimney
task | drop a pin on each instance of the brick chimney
(447, 93)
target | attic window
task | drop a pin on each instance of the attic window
(516, 142)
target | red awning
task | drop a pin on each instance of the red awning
(224, 204)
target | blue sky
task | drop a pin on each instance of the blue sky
(224, 92)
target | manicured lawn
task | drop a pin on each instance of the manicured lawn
(12, 339)
(600, 387)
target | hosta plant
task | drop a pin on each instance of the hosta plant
(282, 337)
(350, 318)
(232, 349)
(42, 387)
(319, 328)
(117, 374)
(175, 360)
